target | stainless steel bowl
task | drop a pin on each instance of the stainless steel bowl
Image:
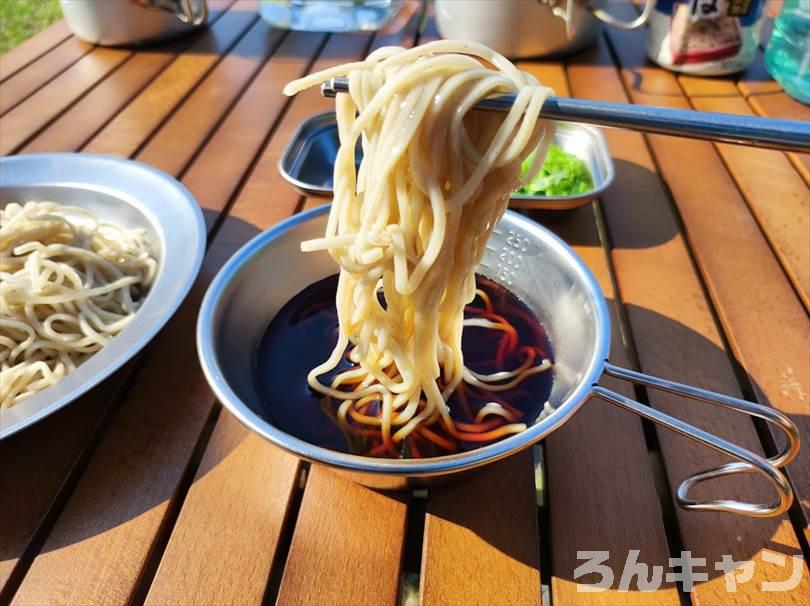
(129, 194)
(523, 256)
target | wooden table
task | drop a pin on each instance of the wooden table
(146, 491)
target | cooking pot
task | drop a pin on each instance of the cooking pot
(529, 28)
(117, 22)
(536, 266)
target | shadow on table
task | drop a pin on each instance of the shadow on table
(632, 185)
(481, 502)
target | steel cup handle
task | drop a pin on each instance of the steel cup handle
(747, 461)
(606, 17)
(193, 12)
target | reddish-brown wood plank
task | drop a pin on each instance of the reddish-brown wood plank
(776, 194)
(347, 546)
(40, 72)
(134, 124)
(29, 50)
(728, 244)
(225, 539)
(174, 144)
(676, 336)
(611, 485)
(19, 124)
(481, 538)
(91, 113)
(132, 479)
(780, 105)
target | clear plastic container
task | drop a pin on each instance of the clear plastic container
(329, 15)
(787, 57)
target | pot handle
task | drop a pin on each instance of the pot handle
(193, 12)
(606, 17)
(747, 461)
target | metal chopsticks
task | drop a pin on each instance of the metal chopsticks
(787, 135)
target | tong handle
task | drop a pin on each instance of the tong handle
(747, 461)
(787, 135)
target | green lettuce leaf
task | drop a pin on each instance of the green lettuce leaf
(562, 174)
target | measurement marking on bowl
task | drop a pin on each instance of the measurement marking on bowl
(510, 257)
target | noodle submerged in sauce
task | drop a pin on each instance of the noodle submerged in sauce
(305, 331)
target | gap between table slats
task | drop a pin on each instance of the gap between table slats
(72, 129)
(27, 118)
(673, 326)
(146, 113)
(21, 85)
(30, 50)
(141, 459)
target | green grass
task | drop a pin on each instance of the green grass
(21, 19)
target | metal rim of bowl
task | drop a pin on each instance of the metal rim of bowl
(183, 247)
(401, 467)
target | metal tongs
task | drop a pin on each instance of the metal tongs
(787, 135)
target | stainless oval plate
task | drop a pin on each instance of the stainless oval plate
(132, 195)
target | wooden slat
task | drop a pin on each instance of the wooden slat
(676, 336)
(756, 80)
(25, 120)
(225, 539)
(728, 244)
(133, 478)
(40, 72)
(174, 144)
(91, 113)
(347, 546)
(141, 117)
(76, 125)
(236, 141)
(611, 486)
(764, 177)
(30, 50)
(481, 538)
(702, 86)
(780, 105)
(30, 487)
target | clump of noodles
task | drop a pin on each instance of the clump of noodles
(413, 223)
(68, 284)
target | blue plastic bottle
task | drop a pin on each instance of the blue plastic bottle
(788, 54)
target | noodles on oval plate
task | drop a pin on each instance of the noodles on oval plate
(413, 222)
(68, 284)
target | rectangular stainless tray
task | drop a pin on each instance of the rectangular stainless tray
(308, 161)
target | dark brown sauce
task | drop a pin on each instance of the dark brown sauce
(304, 332)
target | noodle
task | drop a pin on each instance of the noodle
(412, 225)
(68, 284)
